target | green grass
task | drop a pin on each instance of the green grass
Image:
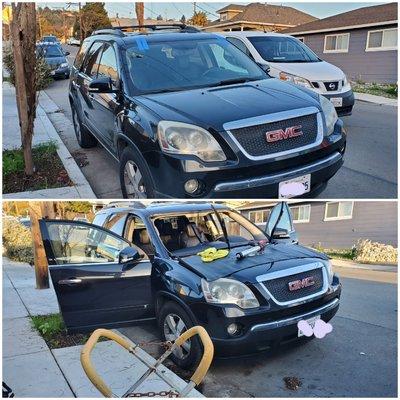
(339, 254)
(48, 325)
(13, 160)
(385, 90)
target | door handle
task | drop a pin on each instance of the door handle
(70, 281)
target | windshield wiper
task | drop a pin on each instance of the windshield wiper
(233, 81)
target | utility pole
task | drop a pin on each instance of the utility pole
(139, 9)
(37, 211)
(80, 23)
(194, 8)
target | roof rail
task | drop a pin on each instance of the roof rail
(120, 30)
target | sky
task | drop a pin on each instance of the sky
(177, 9)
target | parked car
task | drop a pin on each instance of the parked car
(73, 41)
(49, 39)
(188, 115)
(289, 59)
(134, 265)
(55, 57)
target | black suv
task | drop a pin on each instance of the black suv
(133, 265)
(189, 115)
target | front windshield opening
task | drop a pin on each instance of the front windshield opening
(188, 234)
(157, 66)
(283, 49)
(50, 51)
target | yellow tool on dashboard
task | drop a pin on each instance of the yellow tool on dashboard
(212, 254)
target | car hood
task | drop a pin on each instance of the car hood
(212, 107)
(312, 71)
(230, 265)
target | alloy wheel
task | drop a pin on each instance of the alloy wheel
(134, 184)
(173, 328)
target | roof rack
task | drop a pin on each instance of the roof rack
(120, 30)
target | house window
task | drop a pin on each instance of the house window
(338, 210)
(337, 43)
(381, 40)
(259, 217)
(301, 214)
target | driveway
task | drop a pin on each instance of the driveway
(358, 359)
(370, 169)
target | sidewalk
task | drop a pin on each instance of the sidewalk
(371, 98)
(31, 369)
(43, 132)
(370, 267)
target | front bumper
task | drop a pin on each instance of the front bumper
(60, 72)
(347, 102)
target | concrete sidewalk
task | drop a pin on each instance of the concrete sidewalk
(44, 132)
(370, 267)
(371, 98)
(31, 369)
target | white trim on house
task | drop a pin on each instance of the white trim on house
(380, 48)
(230, 22)
(264, 216)
(338, 217)
(346, 50)
(344, 28)
(303, 206)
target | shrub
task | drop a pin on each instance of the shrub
(17, 241)
(43, 70)
(373, 252)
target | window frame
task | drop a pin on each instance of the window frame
(259, 211)
(336, 50)
(381, 48)
(106, 46)
(301, 221)
(338, 218)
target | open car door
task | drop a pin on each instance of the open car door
(279, 227)
(100, 278)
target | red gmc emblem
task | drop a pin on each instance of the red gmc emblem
(301, 283)
(280, 134)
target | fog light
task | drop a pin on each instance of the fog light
(232, 329)
(191, 186)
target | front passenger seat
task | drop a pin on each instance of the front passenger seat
(145, 244)
(188, 237)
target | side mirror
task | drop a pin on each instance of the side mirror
(102, 85)
(128, 255)
(67, 53)
(281, 233)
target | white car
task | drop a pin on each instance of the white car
(291, 60)
(73, 42)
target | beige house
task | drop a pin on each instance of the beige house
(257, 16)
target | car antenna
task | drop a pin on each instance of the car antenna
(223, 226)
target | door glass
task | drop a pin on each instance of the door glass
(75, 243)
(92, 60)
(285, 221)
(136, 232)
(108, 65)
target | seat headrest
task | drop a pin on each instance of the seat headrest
(167, 229)
(182, 222)
(144, 237)
(190, 230)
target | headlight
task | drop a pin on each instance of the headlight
(330, 114)
(181, 138)
(329, 270)
(283, 76)
(345, 82)
(229, 291)
(63, 65)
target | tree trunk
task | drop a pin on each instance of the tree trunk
(41, 267)
(23, 37)
(139, 9)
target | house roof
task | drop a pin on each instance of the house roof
(268, 13)
(373, 15)
(231, 7)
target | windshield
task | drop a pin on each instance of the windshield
(50, 51)
(156, 66)
(49, 39)
(283, 49)
(188, 234)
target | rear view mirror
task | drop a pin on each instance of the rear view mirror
(102, 85)
(67, 53)
(281, 233)
(128, 255)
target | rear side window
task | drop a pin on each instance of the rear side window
(81, 55)
(239, 44)
(100, 219)
(91, 63)
(116, 223)
(108, 64)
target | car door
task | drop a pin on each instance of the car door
(95, 287)
(279, 227)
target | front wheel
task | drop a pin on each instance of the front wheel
(135, 178)
(173, 321)
(83, 136)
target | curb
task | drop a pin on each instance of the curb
(371, 98)
(371, 267)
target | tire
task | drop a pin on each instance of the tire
(83, 136)
(189, 357)
(66, 76)
(134, 175)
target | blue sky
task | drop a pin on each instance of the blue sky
(176, 9)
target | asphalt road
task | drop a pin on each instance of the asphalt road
(358, 359)
(370, 169)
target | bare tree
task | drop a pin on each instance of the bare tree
(139, 9)
(23, 37)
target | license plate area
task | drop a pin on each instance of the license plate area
(295, 186)
(337, 101)
(311, 322)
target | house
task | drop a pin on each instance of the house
(362, 42)
(257, 16)
(334, 224)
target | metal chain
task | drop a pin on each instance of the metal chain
(166, 345)
(163, 393)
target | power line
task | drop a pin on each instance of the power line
(206, 11)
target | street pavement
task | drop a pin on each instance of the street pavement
(370, 169)
(358, 359)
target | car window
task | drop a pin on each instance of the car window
(137, 233)
(116, 223)
(77, 243)
(239, 44)
(108, 64)
(100, 218)
(81, 54)
(50, 51)
(91, 63)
